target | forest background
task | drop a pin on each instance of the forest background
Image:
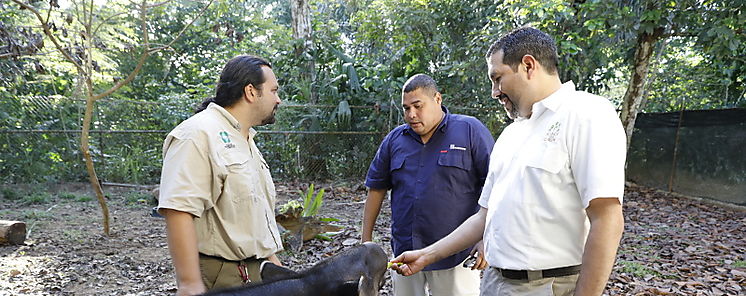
(142, 67)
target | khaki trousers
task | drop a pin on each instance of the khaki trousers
(218, 273)
(494, 284)
(457, 281)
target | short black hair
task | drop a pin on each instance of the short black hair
(239, 72)
(523, 41)
(420, 81)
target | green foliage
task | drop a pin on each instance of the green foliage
(360, 55)
(636, 269)
(38, 197)
(739, 264)
(68, 195)
(35, 215)
(312, 201)
(10, 193)
(84, 198)
(138, 198)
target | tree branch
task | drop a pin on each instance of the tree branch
(154, 50)
(141, 60)
(49, 34)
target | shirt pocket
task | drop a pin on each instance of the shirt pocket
(238, 182)
(550, 159)
(397, 163)
(455, 158)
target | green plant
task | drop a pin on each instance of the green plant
(67, 195)
(34, 215)
(137, 197)
(74, 235)
(739, 264)
(312, 203)
(10, 193)
(84, 198)
(40, 197)
(636, 269)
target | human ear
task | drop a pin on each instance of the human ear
(529, 63)
(249, 92)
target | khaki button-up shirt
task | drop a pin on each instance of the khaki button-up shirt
(211, 172)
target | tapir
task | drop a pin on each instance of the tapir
(356, 271)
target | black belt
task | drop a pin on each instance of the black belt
(539, 274)
(252, 258)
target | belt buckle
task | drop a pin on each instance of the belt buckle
(534, 275)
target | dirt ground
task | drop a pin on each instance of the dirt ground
(671, 246)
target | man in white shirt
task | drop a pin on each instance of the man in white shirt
(551, 216)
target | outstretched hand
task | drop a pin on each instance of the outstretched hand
(410, 262)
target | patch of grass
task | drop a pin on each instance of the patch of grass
(10, 193)
(83, 198)
(40, 197)
(636, 269)
(138, 198)
(68, 196)
(36, 215)
(73, 235)
(739, 264)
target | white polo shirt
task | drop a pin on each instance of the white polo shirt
(544, 171)
(212, 172)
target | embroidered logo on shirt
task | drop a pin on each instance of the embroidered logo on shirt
(552, 133)
(225, 137)
(454, 147)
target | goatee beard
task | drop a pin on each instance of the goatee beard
(268, 120)
(271, 118)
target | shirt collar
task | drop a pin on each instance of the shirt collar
(227, 115)
(441, 127)
(553, 101)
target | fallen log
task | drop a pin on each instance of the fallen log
(12, 232)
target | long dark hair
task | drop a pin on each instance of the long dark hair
(237, 74)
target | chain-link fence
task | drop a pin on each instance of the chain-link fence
(40, 138)
(695, 152)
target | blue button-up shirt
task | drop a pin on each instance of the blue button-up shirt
(434, 186)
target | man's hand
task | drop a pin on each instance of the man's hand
(481, 262)
(189, 289)
(413, 262)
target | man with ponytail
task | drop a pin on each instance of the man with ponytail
(216, 191)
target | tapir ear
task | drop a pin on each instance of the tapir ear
(272, 272)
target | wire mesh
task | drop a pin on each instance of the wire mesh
(41, 139)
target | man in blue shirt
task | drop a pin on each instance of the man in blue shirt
(435, 166)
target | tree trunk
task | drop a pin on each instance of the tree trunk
(303, 33)
(12, 232)
(301, 23)
(636, 89)
(92, 177)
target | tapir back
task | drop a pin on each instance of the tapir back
(356, 271)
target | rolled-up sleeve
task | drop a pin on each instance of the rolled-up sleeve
(185, 178)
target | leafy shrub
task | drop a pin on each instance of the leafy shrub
(68, 195)
(137, 197)
(10, 193)
(40, 197)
